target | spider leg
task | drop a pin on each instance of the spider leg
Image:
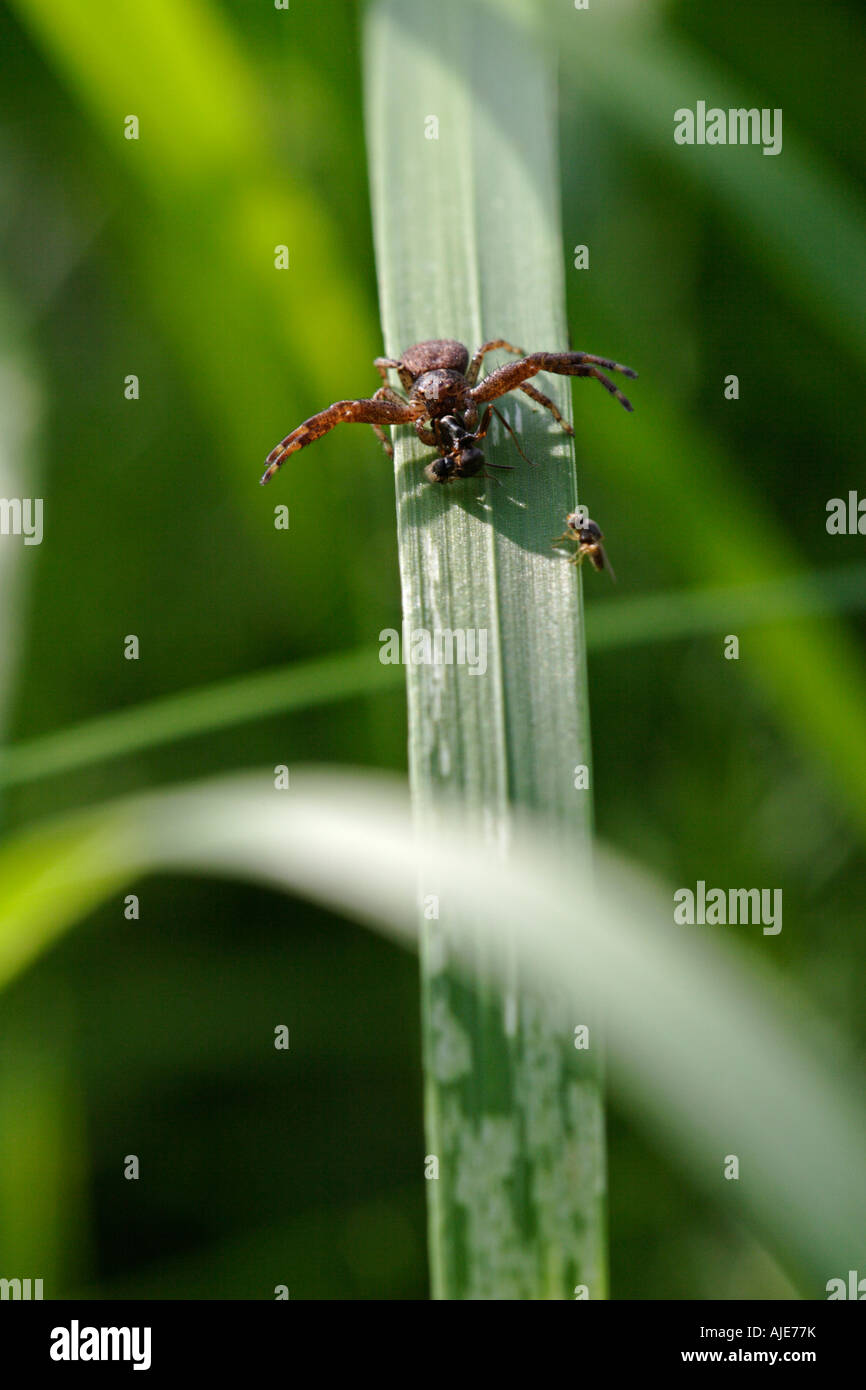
(539, 396)
(426, 435)
(481, 432)
(363, 412)
(475, 365)
(383, 440)
(606, 383)
(385, 393)
(564, 363)
(514, 374)
(482, 429)
(502, 419)
(382, 364)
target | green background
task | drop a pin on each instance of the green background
(155, 257)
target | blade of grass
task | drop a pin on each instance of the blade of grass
(679, 613)
(300, 685)
(710, 1050)
(461, 139)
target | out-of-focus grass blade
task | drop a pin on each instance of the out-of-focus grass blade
(205, 162)
(611, 624)
(799, 215)
(300, 685)
(681, 613)
(212, 100)
(211, 199)
(707, 1049)
(43, 1149)
(810, 671)
(53, 876)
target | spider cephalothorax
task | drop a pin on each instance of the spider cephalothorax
(442, 401)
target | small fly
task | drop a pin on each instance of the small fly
(589, 537)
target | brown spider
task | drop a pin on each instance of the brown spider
(442, 401)
(589, 537)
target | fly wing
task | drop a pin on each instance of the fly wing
(601, 561)
(597, 556)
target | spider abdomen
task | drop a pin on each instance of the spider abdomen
(444, 353)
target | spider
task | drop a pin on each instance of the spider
(589, 537)
(442, 399)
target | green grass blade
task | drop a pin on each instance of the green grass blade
(468, 246)
(709, 1050)
(300, 685)
(679, 613)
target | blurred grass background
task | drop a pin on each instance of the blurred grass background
(156, 258)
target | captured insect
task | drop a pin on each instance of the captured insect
(589, 537)
(442, 401)
(461, 457)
